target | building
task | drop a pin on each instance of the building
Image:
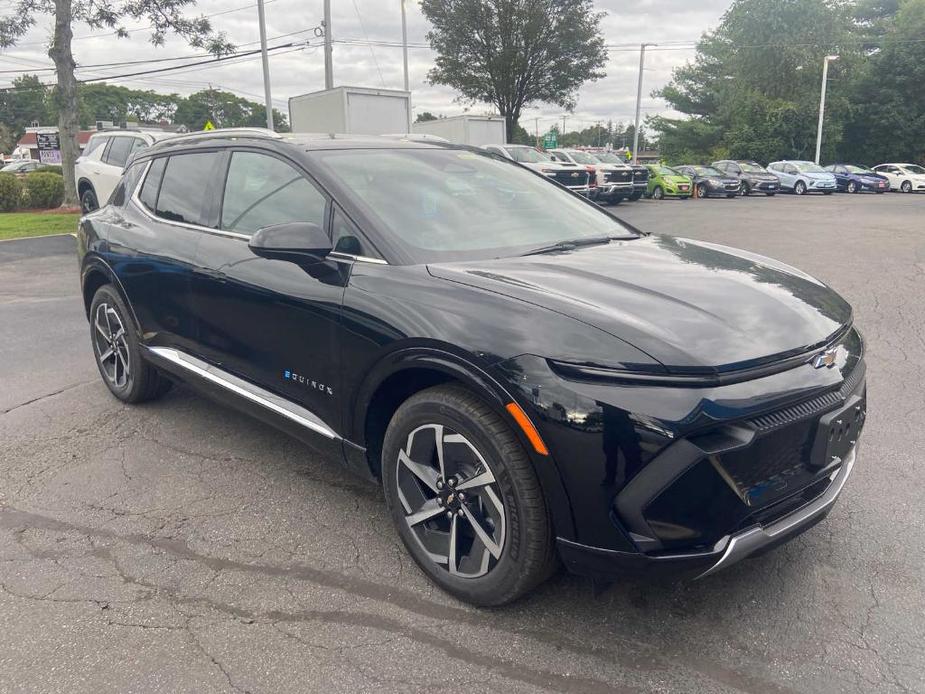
(28, 145)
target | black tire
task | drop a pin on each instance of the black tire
(770, 195)
(827, 192)
(635, 196)
(799, 188)
(521, 532)
(658, 193)
(852, 187)
(88, 201)
(700, 191)
(137, 380)
(732, 195)
(906, 187)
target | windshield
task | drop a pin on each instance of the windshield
(447, 204)
(808, 167)
(527, 155)
(583, 158)
(707, 171)
(750, 167)
(668, 171)
(914, 168)
(610, 158)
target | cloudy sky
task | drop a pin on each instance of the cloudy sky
(671, 23)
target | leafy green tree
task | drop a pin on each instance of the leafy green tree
(887, 120)
(425, 116)
(163, 16)
(753, 89)
(101, 101)
(512, 53)
(224, 110)
(26, 101)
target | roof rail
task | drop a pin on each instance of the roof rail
(219, 132)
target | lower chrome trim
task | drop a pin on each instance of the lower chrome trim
(246, 390)
(747, 542)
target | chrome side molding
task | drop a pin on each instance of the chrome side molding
(246, 390)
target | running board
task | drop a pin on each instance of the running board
(244, 389)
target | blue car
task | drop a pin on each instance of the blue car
(855, 179)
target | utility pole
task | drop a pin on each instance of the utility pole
(328, 55)
(404, 43)
(261, 17)
(642, 62)
(825, 79)
(563, 126)
(536, 130)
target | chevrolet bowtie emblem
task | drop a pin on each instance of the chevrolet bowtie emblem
(826, 359)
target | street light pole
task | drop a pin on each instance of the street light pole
(642, 62)
(261, 18)
(328, 55)
(404, 42)
(825, 79)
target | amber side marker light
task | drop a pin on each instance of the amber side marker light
(523, 421)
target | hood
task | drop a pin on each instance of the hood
(759, 175)
(692, 306)
(818, 175)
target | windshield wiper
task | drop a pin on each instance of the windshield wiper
(573, 244)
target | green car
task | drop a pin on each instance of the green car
(665, 182)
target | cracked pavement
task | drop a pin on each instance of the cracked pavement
(180, 546)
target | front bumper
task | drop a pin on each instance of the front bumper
(606, 563)
(615, 189)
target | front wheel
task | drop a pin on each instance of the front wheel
(700, 190)
(658, 193)
(463, 494)
(118, 352)
(906, 187)
(799, 188)
(852, 187)
(827, 192)
(770, 195)
(88, 201)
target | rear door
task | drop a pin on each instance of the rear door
(106, 173)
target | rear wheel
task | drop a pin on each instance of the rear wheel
(88, 201)
(465, 499)
(658, 193)
(799, 188)
(906, 187)
(118, 353)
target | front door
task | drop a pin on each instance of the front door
(271, 322)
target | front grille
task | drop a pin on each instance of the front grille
(618, 176)
(641, 175)
(572, 178)
(732, 186)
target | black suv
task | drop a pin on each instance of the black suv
(530, 379)
(753, 177)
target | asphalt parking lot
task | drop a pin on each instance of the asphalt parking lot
(182, 547)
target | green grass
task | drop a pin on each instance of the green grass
(19, 225)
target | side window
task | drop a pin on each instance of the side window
(96, 143)
(183, 190)
(117, 154)
(346, 239)
(148, 194)
(262, 190)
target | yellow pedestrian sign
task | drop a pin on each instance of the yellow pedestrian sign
(208, 126)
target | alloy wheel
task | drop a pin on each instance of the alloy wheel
(906, 187)
(111, 348)
(700, 190)
(657, 193)
(451, 501)
(799, 188)
(852, 187)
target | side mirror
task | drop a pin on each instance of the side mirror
(291, 241)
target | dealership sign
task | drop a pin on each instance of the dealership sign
(49, 148)
(550, 141)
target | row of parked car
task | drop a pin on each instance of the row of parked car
(607, 178)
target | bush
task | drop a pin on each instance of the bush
(43, 190)
(10, 192)
(51, 169)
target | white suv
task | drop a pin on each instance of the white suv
(99, 167)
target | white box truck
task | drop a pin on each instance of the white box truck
(351, 110)
(465, 130)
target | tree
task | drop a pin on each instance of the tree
(24, 102)
(425, 116)
(224, 110)
(101, 101)
(512, 53)
(753, 88)
(163, 15)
